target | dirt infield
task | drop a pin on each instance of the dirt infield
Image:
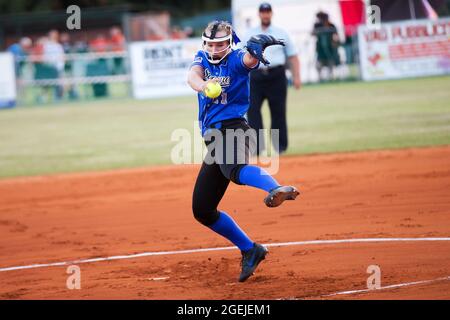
(379, 194)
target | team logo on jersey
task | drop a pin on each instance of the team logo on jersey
(223, 81)
(198, 60)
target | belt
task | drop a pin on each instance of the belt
(267, 70)
(225, 123)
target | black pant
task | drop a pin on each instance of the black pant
(213, 178)
(271, 85)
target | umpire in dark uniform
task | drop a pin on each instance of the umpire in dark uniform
(269, 82)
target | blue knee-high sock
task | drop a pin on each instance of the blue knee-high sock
(257, 177)
(228, 228)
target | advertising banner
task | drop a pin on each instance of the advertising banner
(8, 92)
(405, 49)
(159, 68)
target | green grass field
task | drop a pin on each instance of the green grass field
(125, 133)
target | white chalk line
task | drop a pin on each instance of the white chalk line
(161, 253)
(393, 286)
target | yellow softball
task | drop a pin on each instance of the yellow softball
(213, 90)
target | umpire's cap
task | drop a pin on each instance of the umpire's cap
(265, 6)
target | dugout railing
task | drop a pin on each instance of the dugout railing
(43, 79)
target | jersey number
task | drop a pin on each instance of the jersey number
(222, 98)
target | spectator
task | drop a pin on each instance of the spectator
(177, 33)
(54, 58)
(68, 66)
(41, 70)
(99, 44)
(20, 50)
(188, 31)
(117, 40)
(80, 46)
(269, 82)
(153, 36)
(326, 46)
(99, 67)
(37, 51)
(117, 45)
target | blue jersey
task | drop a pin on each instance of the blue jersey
(232, 75)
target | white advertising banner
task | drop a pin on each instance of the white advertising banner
(7, 80)
(159, 68)
(405, 49)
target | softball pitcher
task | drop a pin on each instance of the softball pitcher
(224, 116)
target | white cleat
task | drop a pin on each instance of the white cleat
(278, 195)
